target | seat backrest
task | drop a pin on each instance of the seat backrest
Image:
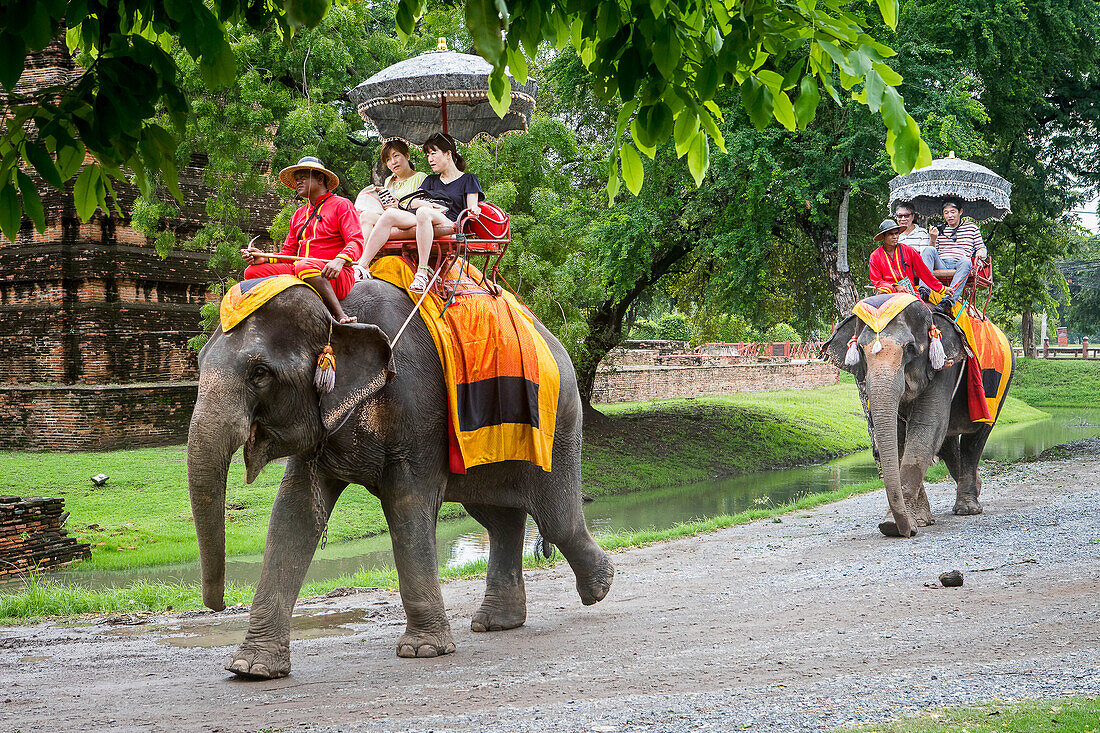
(491, 224)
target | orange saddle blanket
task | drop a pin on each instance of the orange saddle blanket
(502, 380)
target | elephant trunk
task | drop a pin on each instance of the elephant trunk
(212, 439)
(884, 390)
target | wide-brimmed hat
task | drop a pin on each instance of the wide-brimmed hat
(286, 175)
(887, 226)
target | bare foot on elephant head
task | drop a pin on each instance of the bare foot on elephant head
(260, 661)
(423, 644)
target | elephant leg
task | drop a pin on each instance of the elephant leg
(564, 526)
(411, 514)
(292, 538)
(969, 482)
(949, 452)
(920, 437)
(505, 604)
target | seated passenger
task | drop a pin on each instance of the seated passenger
(952, 246)
(896, 268)
(324, 232)
(430, 220)
(913, 234)
(403, 180)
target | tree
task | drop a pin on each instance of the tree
(664, 61)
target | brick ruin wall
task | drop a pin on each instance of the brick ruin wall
(640, 383)
(94, 323)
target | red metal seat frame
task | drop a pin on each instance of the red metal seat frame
(447, 249)
(980, 280)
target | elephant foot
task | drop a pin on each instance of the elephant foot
(889, 527)
(254, 661)
(501, 614)
(424, 644)
(594, 585)
(967, 506)
(924, 518)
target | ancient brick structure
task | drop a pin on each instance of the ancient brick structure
(94, 323)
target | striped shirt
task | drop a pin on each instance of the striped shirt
(917, 238)
(961, 243)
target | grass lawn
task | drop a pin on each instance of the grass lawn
(1063, 715)
(1057, 383)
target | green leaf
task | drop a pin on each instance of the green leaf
(772, 79)
(517, 64)
(639, 135)
(893, 110)
(889, 76)
(836, 55)
(406, 21)
(11, 214)
(757, 100)
(39, 28)
(627, 72)
(483, 23)
(713, 131)
(889, 10)
(219, 69)
(37, 156)
(12, 54)
(784, 110)
(307, 13)
(85, 196)
(924, 158)
(612, 181)
(687, 124)
(624, 117)
(633, 173)
(657, 7)
(805, 106)
(699, 157)
(906, 146)
(657, 121)
(32, 203)
(874, 89)
(69, 159)
(706, 80)
(666, 51)
(500, 92)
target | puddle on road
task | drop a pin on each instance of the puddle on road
(230, 632)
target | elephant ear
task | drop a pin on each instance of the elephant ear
(836, 348)
(952, 337)
(363, 365)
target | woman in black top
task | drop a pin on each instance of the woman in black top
(449, 182)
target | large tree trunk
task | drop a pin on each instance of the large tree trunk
(1027, 333)
(845, 294)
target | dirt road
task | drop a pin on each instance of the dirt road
(800, 625)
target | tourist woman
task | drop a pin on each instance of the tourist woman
(449, 183)
(403, 180)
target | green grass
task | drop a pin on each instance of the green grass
(1057, 383)
(1063, 715)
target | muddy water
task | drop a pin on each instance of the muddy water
(462, 541)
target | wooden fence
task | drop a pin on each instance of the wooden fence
(1082, 351)
(764, 349)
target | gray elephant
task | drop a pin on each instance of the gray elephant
(384, 427)
(915, 412)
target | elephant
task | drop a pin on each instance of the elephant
(384, 427)
(915, 413)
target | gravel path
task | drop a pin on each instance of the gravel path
(810, 623)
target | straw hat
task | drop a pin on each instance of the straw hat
(286, 175)
(887, 226)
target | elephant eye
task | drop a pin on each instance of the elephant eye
(259, 375)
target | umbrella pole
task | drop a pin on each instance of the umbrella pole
(444, 98)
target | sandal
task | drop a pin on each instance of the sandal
(420, 280)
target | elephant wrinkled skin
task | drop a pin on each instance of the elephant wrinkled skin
(384, 427)
(915, 413)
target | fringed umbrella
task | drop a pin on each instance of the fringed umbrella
(437, 91)
(985, 195)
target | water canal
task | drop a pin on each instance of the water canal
(463, 540)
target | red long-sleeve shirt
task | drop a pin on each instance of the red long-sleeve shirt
(334, 232)
(887, 270)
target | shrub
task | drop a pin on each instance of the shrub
(782, 332)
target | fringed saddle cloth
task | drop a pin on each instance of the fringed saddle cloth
(502, 381)
(244, 298)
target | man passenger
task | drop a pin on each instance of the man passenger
(953, 246)
(325, 233)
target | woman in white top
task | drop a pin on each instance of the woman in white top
(402, 181)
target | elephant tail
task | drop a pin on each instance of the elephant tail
(544, 547)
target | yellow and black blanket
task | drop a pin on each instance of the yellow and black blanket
(502, 380)
(990, 366)
(245, 297)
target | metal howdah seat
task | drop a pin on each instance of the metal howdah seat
(978, 289)
(465, 243)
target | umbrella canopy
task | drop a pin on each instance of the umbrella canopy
(439, 91)
(985, 195)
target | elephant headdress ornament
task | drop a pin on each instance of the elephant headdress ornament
(877, 313)
(248, 295)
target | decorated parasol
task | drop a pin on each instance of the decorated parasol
(437, 91)
(985, 195)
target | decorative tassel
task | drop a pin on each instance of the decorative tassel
(877, 346)
(324, 379)
(852, 357)
(935, 349)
